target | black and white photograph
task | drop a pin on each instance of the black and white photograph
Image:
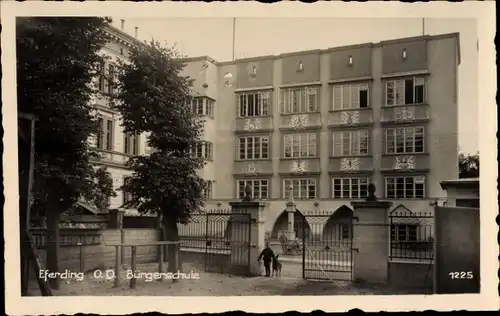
(201, 155)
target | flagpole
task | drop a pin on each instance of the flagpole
(423, 26)
(234, 38)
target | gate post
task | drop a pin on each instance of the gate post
(255, 230)
(371, 240)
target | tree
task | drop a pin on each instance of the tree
(468, 165)
(151, 98)
(56, 62)
(102, 189)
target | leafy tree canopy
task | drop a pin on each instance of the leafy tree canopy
(468, 165)
(57, 59)
(151, 97)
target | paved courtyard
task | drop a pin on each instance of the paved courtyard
(214, 284)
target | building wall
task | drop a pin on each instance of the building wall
(434, 58)
(462, 193)
(115, 158)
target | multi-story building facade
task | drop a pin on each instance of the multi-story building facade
(115, 146)
(328, 122)
(324, 123)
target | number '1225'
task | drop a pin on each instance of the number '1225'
(461, 275)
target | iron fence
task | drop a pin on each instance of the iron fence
(206, 230)
(412, 236)
(224, 238)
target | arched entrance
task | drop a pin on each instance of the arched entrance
(300, 225)
(329, 256)
(338, 228)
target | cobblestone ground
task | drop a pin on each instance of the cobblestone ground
(214, 284)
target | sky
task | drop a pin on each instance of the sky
(269, 36)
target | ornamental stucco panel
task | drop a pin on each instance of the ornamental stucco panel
(349, 164)
(300, 166)
(404, 162)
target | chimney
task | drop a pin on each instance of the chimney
(136, 31)
(123, 23)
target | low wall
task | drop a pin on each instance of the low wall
(411, 275)
(100, 255)
(457, 260)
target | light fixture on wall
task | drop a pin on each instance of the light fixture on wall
(301, 66)
(254, 71)
(350, 60)
(404, 54)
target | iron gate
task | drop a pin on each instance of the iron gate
(227, 242)
(327, 246)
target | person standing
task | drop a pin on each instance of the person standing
(267, 255)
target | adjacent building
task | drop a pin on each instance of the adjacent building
(319, 125)
(462, 192)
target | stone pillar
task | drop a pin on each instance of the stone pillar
(240, 253)
(115, 219)
(371, 241)
(290, 208)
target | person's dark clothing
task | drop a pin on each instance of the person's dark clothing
(267, 265)
(267, 255)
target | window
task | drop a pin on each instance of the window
(353, 96)
(405, 91)
(254, 103)
(197, 106)
(260, 188)
(202, 106)
(105, 133)
(405, 187)
(301, 188)
(203, 150)
(404, 140)
(207, 191)
(344, 231)
(111, 79)
(350, 143)
(350, 188)
(209, 107)
(299, 100)
(102, 75)
(403, 232)
(126, 195)
(300, 145)
(131, 141)
(254, 147)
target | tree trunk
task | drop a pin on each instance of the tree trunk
(52, 248)
(171, 234)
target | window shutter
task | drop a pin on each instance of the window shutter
(238, 105)
(355, 138)
(355, 96)
(345, 97)
(337, 98)
(337, 144)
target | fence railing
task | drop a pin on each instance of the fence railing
(412, 236)
(206, 230)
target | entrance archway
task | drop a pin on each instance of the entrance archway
(300, 225)
(338, 227)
